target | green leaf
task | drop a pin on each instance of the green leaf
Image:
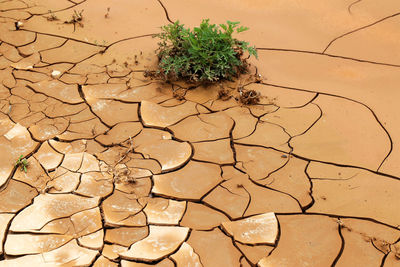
(241, 29)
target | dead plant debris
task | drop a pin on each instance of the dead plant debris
(76, 18)
(52, 16)
(224, 94)
(248, 97)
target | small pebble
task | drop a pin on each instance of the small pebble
(55, 73)
(18, 25)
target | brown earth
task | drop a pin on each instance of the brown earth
(125, 170)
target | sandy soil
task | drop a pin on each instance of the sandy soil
(122, 173)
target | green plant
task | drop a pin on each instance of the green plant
(22, 163)
(207, 53)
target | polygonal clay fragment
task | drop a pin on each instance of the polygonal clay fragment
(17, 38)
(366, 239)
(86, 222)
(267, 135)
(149, 135)
(201, 217)
(343, 128)
(295, 120)
(148, 164)
(26, 63)
(60, 91)
(47, 207)
(254, 253)
(356, 244)
(104, 262)
(57, 226)
(259, 162)
(119, 133)
(14, 142)
(95, 184)
(132, 180)
(17, 130)
(126, 236)
(245, 123)
(354, 192)
(113, 112)
(33, 77)
(186, 256)
(123, 209)
(203, 94)
(8, 79)
(16, 196)
(139, 93)
(164, 211)
(264, 200)
(190, 182)
(171, 154)
(70, 254)
(159, 116)
(5, 218)
(86, 129)
(72, 161)
(68, 147)
(20, 244)
(48, 128)
(164, 263)
(258, 229)
(63, 181)
(48, 157)
(93, 240)
(218, 151)
(111, 251)
(214, 248)
(161, 241)
(376, 41)
(89, 163)
(63, 54)
(291, 179)
(101, 91)
(233, 203)
(311, 240)
(371, 230)
(203, 127)
(260, 110)
(238, 195)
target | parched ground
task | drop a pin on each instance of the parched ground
(129, 171)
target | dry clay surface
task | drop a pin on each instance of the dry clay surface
(123, 173)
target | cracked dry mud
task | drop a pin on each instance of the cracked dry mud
(121, 173)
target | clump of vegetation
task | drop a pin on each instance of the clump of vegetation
(76, 18)
(22, 163)
(208, 53)
(52, 16)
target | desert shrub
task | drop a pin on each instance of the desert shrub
(207, 53)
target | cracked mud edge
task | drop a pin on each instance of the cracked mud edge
(359, 29)
(358, 102)
(231, 141)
